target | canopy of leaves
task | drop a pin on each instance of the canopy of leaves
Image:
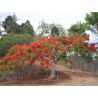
(9, 40)
(92, 18)
(27, 28)
(54, 31)
(45, 50)
(46, 28)
(78, 28)
(92, 22)
(10, 24)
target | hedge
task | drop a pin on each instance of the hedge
(9, 40)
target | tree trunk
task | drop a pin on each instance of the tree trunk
(53, 71)
(17, 73)
(76, 61)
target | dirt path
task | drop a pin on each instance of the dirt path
(78, 78)
(83, 81)
(66, 78)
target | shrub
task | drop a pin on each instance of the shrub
(68, 65)
(9, 40)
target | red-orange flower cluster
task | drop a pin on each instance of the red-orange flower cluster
(45, 49)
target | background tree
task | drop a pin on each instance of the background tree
(0, 28)
(78, 28)
(58, 29)
(92, 22)
(48, 29)
(54, 31)
(43, 27)
(10, 24)
(0, 33)
(18, 30)
(27, 28)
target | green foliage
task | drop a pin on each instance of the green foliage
(10, 24)
(63, 55)
(92, 20)
(9, 40)
(43, 27)
(54, 31)
(78, 28)
(88, 57)
(96, 57)
(46, 44)
(68, 65)
(33, 56)
(27, 28)
(50, 29)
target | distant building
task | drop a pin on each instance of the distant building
(2, 31)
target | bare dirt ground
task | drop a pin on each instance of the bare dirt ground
(66, 78)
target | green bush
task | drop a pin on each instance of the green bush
(68, 65)
(9, 40)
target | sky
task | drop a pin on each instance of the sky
(64, 12)
(66, 19)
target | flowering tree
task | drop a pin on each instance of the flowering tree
(82, 48)
(46, 51)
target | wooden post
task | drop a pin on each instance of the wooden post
(17, 73)
(57, 75)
